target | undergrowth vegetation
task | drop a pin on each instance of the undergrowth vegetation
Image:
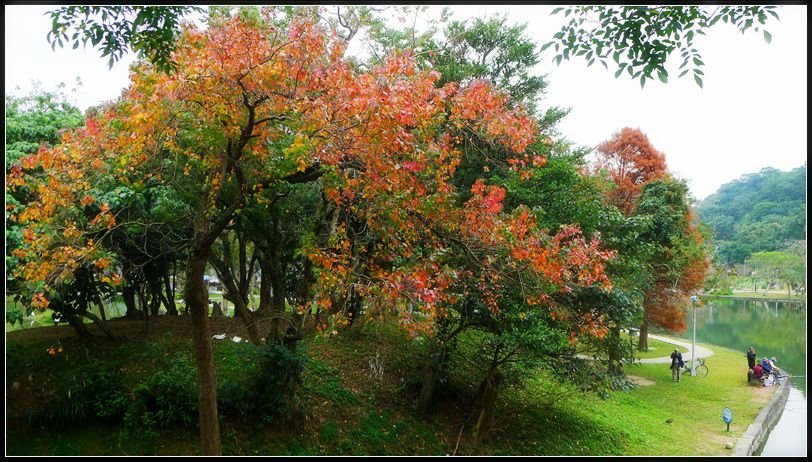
(139, 397)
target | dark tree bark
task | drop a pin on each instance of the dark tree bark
(614, 350)
(169, 299)
(128, 294)
(197, 303)
(265, 305)
(76, 322)
(100, 322)
(235, 284)
(430, 374)
(487, 394)
(642, 342)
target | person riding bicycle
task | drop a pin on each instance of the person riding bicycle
(676, 365)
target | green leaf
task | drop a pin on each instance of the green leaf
(698, 80)
(642, 81)
(663, 75)
(683, 73)
(767, 37)
(618, 72)
(557, 10)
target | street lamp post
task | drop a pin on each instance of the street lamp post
(694, 299)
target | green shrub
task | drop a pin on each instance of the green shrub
(268, 389)
(169, 397)
(106, 393)
(94, 394)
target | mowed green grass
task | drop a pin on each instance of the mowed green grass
(695, 404)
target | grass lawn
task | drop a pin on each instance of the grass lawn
(657, 349)
(769, 295)
(695, 404)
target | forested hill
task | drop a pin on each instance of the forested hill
(756, 213)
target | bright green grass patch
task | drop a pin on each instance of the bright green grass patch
(769, 295)
(634, 422)
(657, 349)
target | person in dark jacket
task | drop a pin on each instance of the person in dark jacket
(676, 365)
(766, 366)
(751, 358)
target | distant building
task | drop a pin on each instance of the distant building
(213, 283)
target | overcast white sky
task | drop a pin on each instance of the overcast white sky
(751, 114)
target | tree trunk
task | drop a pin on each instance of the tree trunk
(197, 304)
(278, 293)
(169, 300)
(241, 309)
(430, 374)
(79, 326)
(614, 350)
(144, 309)
(265, 304)
(100, 322)
(642, 342)
(128, 295)
(489, 390)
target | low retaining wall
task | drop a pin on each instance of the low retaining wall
(766, 419)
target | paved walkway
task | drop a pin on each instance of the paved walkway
(701, 352)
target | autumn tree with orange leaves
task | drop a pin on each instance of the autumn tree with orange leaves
(631, 162)
(669, 253)
(678, 262)
(253, 106)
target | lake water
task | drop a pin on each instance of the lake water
(773, 328)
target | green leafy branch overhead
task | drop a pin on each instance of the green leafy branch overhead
(149, 30)
(639, 39)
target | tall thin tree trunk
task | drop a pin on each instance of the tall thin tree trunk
(196, 302)
(266, 272)
(169, 300)
(614, 349)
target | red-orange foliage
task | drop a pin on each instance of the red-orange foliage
(383, 143)
(665, 302)
(631, 162)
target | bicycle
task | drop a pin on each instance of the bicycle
(701, 369)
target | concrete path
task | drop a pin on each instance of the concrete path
(701, 352)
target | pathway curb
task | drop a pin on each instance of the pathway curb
(766, 419)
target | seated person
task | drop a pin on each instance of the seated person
(758, 371)
(765, 364)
